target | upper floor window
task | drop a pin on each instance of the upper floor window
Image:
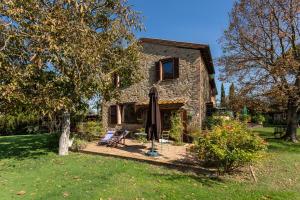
(167, 69)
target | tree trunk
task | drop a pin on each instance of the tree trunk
(292, 122)
(64, 138)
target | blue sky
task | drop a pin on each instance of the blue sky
(198, 21)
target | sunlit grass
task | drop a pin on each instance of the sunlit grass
(30, 164)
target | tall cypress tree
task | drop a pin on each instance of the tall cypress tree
(231, 92)
(223, 96)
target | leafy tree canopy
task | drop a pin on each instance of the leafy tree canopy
(54, 54)
(262, 54)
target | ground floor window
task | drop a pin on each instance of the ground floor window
(113, 114)
(140, 114)
(166, 119)
(129, 113)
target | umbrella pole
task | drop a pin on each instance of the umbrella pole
(152, 152)
(152, 141)
(152, 145)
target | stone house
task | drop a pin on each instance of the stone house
(183, 74)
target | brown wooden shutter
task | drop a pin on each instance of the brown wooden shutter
(113, 114)
(158, 71)
(176, 67)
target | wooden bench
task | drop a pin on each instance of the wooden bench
(279, 131)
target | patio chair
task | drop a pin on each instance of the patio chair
(118, 138)
(108, 136)
(165, 139)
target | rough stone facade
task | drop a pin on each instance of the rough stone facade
(192, 85)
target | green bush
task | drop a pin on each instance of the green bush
(194, 131)
(212, 121)
(78, 144)
(176, 128)
(245, 118)
(141, 138)
(229, 146)
(89, 131)
(20, 123)
(258, 118)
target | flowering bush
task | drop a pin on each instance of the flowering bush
(229, 146)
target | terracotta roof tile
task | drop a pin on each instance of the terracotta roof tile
(166, 101)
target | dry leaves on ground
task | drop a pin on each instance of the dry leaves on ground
(22, 192)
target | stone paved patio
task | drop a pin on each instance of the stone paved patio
(168, 154)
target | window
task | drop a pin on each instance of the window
(139, 114)
(113, 114)
(129, 114)
(167, 69)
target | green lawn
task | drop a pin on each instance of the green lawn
(30, 164)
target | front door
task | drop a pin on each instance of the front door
(166, 119)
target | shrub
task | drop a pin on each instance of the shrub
(89, 131)
(78, 144)
(141, 138)
(258, 118)
(245, 118)
(194, 131)
(229, 146)
(212, 121)
(176, 128)
(20, 123)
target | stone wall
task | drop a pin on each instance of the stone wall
(192, 84)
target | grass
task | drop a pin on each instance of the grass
(30, 164)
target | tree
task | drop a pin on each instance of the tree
(231, 92)
(232, 100)
(223, 97)
(261, 53)
(54, 55)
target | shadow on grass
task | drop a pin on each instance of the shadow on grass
(204, 180)
(276, 144)
(27, 146)
(172, 165)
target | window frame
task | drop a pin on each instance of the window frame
(167, 60)
(131, 121)
(160, 71)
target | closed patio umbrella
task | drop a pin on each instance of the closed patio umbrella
(153, 123)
